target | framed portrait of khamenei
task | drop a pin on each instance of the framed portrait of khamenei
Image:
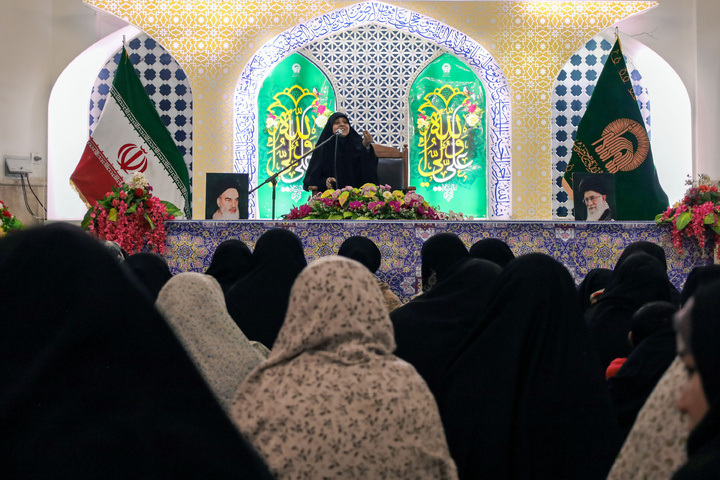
(594, 195)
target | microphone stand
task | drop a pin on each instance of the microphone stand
(273, 178)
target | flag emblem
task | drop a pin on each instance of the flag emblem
(132, 157)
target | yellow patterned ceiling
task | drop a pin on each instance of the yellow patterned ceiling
(214, 39)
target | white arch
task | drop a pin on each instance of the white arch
(671, 138)
(397, 18)
(68, 123)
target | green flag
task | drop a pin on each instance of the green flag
(612, 138)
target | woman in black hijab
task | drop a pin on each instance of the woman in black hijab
(524, 397)
(699, 340)
(258, 301)
(595, 281)
(698, 276)
(353, 163)
(431, 328)
(150, 269)
(230, 262)
(94, 384)
(438, 254)
(492, 249)
(653, 350)
(640, 279)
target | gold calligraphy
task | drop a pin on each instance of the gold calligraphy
(588, 160)
(292, 131)
(444, 137)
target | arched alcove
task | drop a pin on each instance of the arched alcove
(395, 19)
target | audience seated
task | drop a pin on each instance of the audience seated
(524, 397)
(699, 348)
(592, 286)
(332, 401)
(364, 250)
(430, 328)
(492, 249)
(258, 301)
(640, 279)
(194, 306)
(438, 254)
(150, 269)
(230, 261)
(653, 350)
(93, 382)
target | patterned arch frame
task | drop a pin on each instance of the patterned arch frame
(397, 18)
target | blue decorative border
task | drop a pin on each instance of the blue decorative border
(398, 18)
(580, 246)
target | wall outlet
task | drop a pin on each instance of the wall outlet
(17, 165)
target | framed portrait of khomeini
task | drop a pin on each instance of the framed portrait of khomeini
(226, 196)
(594, 196)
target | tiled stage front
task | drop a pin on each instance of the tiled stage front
(579, 246)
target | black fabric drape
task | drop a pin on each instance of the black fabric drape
(438, 255)
(150, 269)
(431, 328)
(258, 301)
(356, 165)
(492, 249)
(93, 382)
(653, 352)
(230, 262)
(703, 446)
(640, 279)
(524, 397)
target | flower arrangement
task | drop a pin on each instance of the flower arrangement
(8, 221)
(696, 215)
(369, 202)
(422, 123)
(131, 216)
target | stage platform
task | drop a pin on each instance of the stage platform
(580, 246)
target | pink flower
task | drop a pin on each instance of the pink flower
(355, 205)
(395, 205)
(472, 107)
(123, 194)
(321, 109)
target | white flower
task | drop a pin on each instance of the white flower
(139, 180)
(472, 119)
(321, 120)
(387, 195)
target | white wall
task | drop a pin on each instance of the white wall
(38, 39)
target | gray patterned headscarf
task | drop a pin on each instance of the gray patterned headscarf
(194, 306)
(332, 401)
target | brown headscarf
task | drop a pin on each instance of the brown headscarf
(332, 400)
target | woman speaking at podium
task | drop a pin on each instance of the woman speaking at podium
(348, 160)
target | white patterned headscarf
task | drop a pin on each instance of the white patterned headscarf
(194, 306)
(332, 401)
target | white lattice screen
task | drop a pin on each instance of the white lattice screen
(371, 68)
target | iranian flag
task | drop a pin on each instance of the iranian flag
(131, 138)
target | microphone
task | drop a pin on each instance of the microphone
(338, 132)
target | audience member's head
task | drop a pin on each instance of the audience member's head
(363, 250)
(492, 249)
(698, 276)
(438, 254)
(150, 269)
(352, 408)
(699, 345)
(93, 382)
(650, 248)
(592, 286)
(651, 318)
(230, 262)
